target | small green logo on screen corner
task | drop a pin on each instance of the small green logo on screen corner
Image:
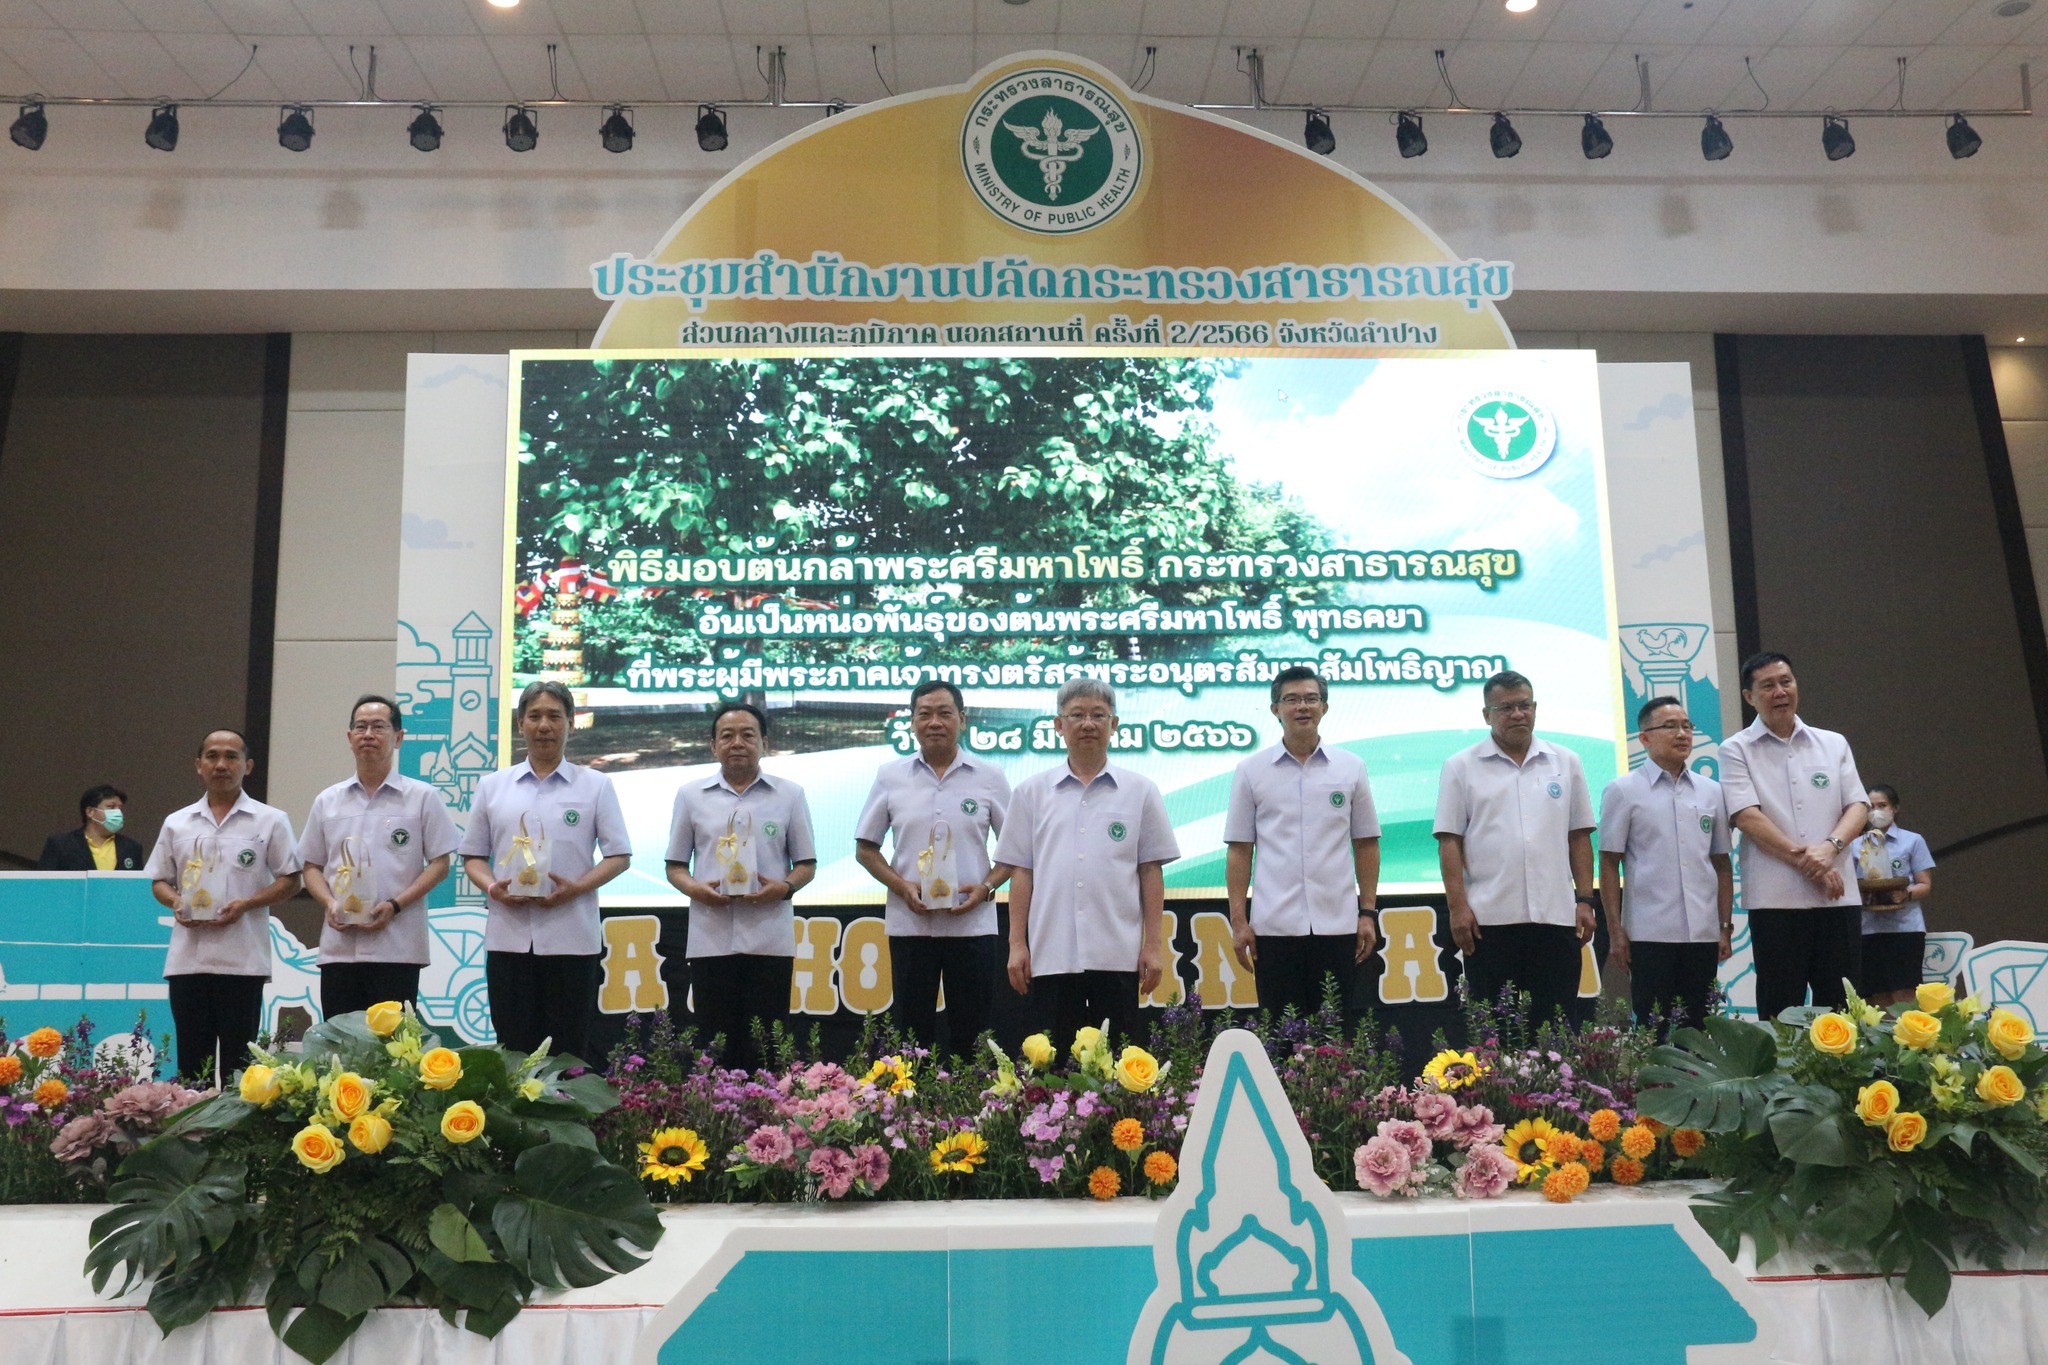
(1506, 435)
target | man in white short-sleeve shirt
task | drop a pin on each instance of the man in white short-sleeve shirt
(1663, 830)
(378, 842)
(219, 865)
(938, 807)
(1793, 792)
(1514, 830)
(1302, 861)
(1089, 842)
(740, 847)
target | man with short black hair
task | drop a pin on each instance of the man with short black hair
(97, 845)
(1514, 830)
(1301, 820)
(373, 847)
(1793, 792)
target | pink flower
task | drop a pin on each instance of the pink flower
(1486, 1174)
(1048, 1168)
(1411, 1137)
(1476, 1128)
(82, 1136)
(1383, 1165)
(834, 1169)
(150, 1102)
(768, 1146)
(871, 1165)
(1438, 1115)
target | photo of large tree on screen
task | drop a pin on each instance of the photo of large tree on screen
(927, 455)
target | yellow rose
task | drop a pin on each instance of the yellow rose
(1998, 1085)
(1916, 1029)
(1934, 995)
(259, 1084)
(439, 1068)
(1877, 1102)
(1038, 1051)
(317, 1148)
(463, 1121)
(1905, 1131)
(1833, 1033)
(2010, 1034)
(370, 1133)
(1085, 1040)
(350, 1096)
(384, 1018)
(1137, 1069)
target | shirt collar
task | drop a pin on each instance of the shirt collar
(1799, 728)
(389, 784)
(1681, 778)
(1281, 755)
(961, 759)
(717, 782)
(1067, 775)
(525, 772)
(1537, 749)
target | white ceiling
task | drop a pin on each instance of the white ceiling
(1568, 53)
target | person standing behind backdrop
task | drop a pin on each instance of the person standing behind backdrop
(1894, 929)
(97, 845)
(543, 957)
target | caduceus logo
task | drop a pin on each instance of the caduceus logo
(1052, 145)
(1051, 150)
(1506, 435)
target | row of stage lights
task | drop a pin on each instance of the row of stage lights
(1596, 142)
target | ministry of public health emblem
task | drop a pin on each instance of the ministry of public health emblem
(1706, 824)
(400, 837)
(1051, 151)
(1506, 435)
(1117, 830)
(1337, 800)
(1820, 780)
(969, 806)
(571, 817)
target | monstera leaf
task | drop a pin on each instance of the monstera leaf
(572, 1218)
(170, 1205)
(1719, 1080)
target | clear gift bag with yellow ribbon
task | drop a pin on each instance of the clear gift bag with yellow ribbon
(203, 880)
(733, 855)
(524, 864)
(349, 879)
(938, 870)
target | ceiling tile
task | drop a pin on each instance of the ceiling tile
(1982, 23)
(27, 14)
(95, 16)
(751, 18)
(438, 17)
(1437, 23)
(616, 66)
(1123, 17)
(994, 47)
(703, 69)
(1491, 21)
(260, 18)
(1401, 73)
(1934, 74)
(1674, 21)
(846, 67)
(1704, 78)
(925, 60)
(1120, 52)
(302, 69)
(55, 63)
(1597, 21)
(1913, 23)
(681, 16)
(1328, 71)
(1288, 17)
(212, 60)
(1857, 78)
(1348, 18)
(1185, 18)
(869, 17)
(1484, 72)
(398, 75)
(1180, 68)
(598, 16)
(138, 65)
(911, 18)
(162, 16)
(346, 18)
(1832, 21)
(1556, 75)
(751, 54)
(459, 68)
(524, 60)
(1754, 24)
(999, 16)
(1228, 82)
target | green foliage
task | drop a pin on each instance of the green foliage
(568, 1214)
(1717, 1080)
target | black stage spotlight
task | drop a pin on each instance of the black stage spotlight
(1715, 144)
(1962, 138)
(1316, 134)
(616, 132)
(33, 126)
(1834, 137)
(1408, 135)
(1506, 141)
(710, 128)
(295, 129)
(425, 130)
(163, 128)
(521, 132)
(1593, 138)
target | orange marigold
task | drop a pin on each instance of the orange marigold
(1577, 1175)
(1161, 1168)
(1688, 1141)
(1104, 1183)
(1566, 1183)
(1560, 1147)
(52, 1093)
(1128, 1135)
(1604, 1125)
(1626, 1170)
(1592, 1154)
(44, 1042)
(1638, 1141)
(1656, 1126)
(10, 1069)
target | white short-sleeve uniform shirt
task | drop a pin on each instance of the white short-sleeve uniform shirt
(1516, 821)
(1802, 784)
(705, 808)
(1083, 843)
(578, 811)
(908, 803)
(1301, 816)
(257, 842)
(402, 826)
(1666, 827)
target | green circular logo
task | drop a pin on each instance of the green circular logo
(771, 829)
(1506, 435)
(401, 837)
(571, 817)
(1820, 780)
(1117, 830)
(246, 858)
(1051, 151)
(1706, 824)
(969, 806)
(1337, 800)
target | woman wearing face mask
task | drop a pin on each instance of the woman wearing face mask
(1894, 930)
(98, 845)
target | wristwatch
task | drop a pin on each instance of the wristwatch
(1587, 898)
(1839, 845)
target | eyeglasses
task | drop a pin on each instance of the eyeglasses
(370, 727)
(1513, 708)
(1300, 698)
(1676, 726)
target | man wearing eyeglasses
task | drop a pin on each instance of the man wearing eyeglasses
(1304, 812)
(1514, 832)
(1664, 830)
(374, 846)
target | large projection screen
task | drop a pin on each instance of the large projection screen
(818, 532)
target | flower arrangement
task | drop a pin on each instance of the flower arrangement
(49, 1083)
(1902, 1135)
(376, 1166)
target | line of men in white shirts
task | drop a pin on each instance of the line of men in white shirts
(1082, 845)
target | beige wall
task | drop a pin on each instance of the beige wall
(2020, 374)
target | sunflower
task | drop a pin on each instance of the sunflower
(672, 1154)
(1525, 1143)
(1450, 1070)
(891, 1074)
(959, 1152)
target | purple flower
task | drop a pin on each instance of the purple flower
(1438, 1115)
(1410, 1135)
(1486, 1174)
(871, 1165)
(1048, 1168)
(834, 1169)
(1383, 1165)
(768, 1146)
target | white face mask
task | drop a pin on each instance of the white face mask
(1881, 819)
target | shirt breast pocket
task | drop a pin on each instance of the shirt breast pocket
(1119, 830)
(247, 855)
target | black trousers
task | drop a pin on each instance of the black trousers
(215, 1014)
(1542, 959)
(1670, 977)
(535, 996)
(1800, 949)
(1293, 967)
(733, 991)
(968, 967)
(346, 987)
(1065, 1003)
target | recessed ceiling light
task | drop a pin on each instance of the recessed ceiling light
(2019, 339)
(2012, 9)
(1520, 6)
(505, 4)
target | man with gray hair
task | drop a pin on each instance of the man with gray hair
(1089, 842)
